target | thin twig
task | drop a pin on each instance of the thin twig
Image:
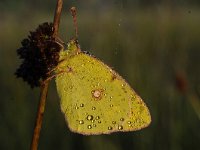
(57, 15)
(44, 85)
(41, 108)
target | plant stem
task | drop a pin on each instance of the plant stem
(57, 15)
(41, 108)
(45, 85)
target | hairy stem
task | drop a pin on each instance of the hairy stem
(44, 85)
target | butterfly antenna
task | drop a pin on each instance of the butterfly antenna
(73, 12)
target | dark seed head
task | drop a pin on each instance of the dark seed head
(40, 54)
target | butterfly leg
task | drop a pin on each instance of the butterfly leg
(52, 76)
(57, 72)
(61, 71)
(60, 42)
(55, 68)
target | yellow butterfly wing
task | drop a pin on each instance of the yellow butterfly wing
(95, 99)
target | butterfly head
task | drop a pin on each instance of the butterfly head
(72, 49)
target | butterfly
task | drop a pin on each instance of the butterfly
(94, 98)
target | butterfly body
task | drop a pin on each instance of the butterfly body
(94, 98)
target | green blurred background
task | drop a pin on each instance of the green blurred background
(153, 44)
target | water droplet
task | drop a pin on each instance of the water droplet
(97, 117)
(137, 120)
(105, 94)
(114, 122)
(120, 127)
(89, 127)
(133, 97)
(111, 97)
(81, 122)
(94, 125)
(129, 122)
(93, 108)
(65, 89)
(130, 125)
(89, 117)
(111, 105)
(76, 107)
(110, 128)
(81, 105)
(92, 121)
(121, 119)
(123, 85)
(99, 121)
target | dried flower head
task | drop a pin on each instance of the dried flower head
(40, 54)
